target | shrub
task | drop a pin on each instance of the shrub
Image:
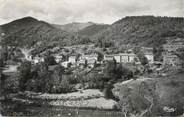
(50, 60)
(24, 74)
(65, 85)
(142, 58)
(108, 91)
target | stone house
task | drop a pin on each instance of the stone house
(169, 58)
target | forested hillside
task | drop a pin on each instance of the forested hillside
(136, 30)
(142, 30)
(73, 27)
(29, 32)
(93, 29)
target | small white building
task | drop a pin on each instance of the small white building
(72, 59)
(65, 64)
(38, 60)
(150, 57)
(58, 58)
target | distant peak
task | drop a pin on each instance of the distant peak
(22, 21)
(25, 20)
(91, 22)
(82, 23)
(28, 18)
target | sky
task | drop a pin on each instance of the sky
(98, 11)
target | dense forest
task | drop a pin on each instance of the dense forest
(142, 31)
(93, 29)
(29, 32)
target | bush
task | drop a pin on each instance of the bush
(24, 74)
(50, 60)
(108, 91)
(136, 99)
(65, 86)
(142, 58)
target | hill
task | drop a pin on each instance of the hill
(162, 95)
(135, 30)
(142, 30)
(73, 27)
(29, 31)
(93, 29)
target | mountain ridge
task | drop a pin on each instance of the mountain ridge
(142, 30)
(135, 30)
(29, 31)
(73, 27)
(93, 29)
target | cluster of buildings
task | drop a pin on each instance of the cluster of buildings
(170, 48)
(81, 59)
(90, 59)
(131, 57)
(169, 56)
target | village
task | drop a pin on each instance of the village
(87, 76)
(77, 59)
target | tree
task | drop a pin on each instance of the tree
(142, 58)
(69, 65)
(65, 84)
(85, 63)
(138, 100)
(180, 53)
(123, 72)
(2, 78)
(95, 64)
(59, 70)
(50, 60)
(25, 74)
(2, 82)
(77, 57)
(108, 91)
(110, 70)
(56, 78)
(157, 52)
(44, 78)
(100, 57)
(136, 50)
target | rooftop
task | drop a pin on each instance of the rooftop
(121, 54)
